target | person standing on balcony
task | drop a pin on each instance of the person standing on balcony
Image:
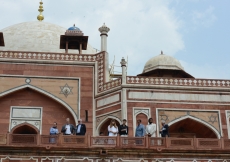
(123, 129)
(164, 130)
(140, 130)
(80, 129)
(53, 131)
(112, 128)
(68, 129)
(151, 128)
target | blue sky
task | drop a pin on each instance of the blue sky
(196, 32)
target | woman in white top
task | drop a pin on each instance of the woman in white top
(112, 128)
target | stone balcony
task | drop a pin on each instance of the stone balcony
(73, 141)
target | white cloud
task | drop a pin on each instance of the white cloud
(204, 18)
(139, 29)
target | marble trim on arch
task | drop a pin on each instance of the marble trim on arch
(84, 159)
(43, 92)
(19, 158)
(100, 120)
(139, 110)
(227, 113)
(219, 132)
(198, 120)
(47, 158)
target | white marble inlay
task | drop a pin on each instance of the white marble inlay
(35, 123)
(26, 113)
(179, 96)
(108, 100)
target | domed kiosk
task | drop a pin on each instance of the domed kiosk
(36, 36)
(164, 66)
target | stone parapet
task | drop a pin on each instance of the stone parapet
(178, 82)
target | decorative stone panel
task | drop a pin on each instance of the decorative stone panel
(31, 115)
(101, 118)
(206, 116)
(179, 96)
(108, 100)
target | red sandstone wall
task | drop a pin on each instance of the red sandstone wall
(52, 111)
(153, 107)
(86, 87)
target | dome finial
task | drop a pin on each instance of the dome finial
(40, 17)
(162, 52)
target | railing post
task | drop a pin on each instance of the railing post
(194, 143)
(88, 140)
(60, 139)
(118, 141)
(8, 138)
(167, 142)
(222, 143)
(38, 139)
(147, 138)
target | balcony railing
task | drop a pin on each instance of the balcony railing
(88, 141)
(178, 81)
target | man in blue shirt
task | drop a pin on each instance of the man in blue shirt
(140, 130)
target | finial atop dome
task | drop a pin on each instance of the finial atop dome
(162, 52)
(40, 17)
(73, 30)
(104, 29)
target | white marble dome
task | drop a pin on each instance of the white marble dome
(162, 61)
(36, 36)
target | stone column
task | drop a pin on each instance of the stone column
(104, 34)
(123, 90)
(123, 66)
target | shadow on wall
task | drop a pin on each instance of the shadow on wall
(189, 128)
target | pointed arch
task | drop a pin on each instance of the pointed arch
(44, 93)
(198, 120)
(25, 124)
(103, 121)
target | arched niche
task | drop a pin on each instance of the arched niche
(45, 93)
(103, 126)
(143, 117)
(24, 128)
(188, 127)
(29, 98)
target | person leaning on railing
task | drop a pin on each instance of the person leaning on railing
(123, 129)
(164, 130)
(68, 129)
(151, 128)
(140, 132)
(112, 128)
(53, 131)
(80, 128)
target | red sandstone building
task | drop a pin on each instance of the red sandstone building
(49, 74)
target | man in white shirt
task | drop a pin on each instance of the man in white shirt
(151, 128)
(68, 129)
